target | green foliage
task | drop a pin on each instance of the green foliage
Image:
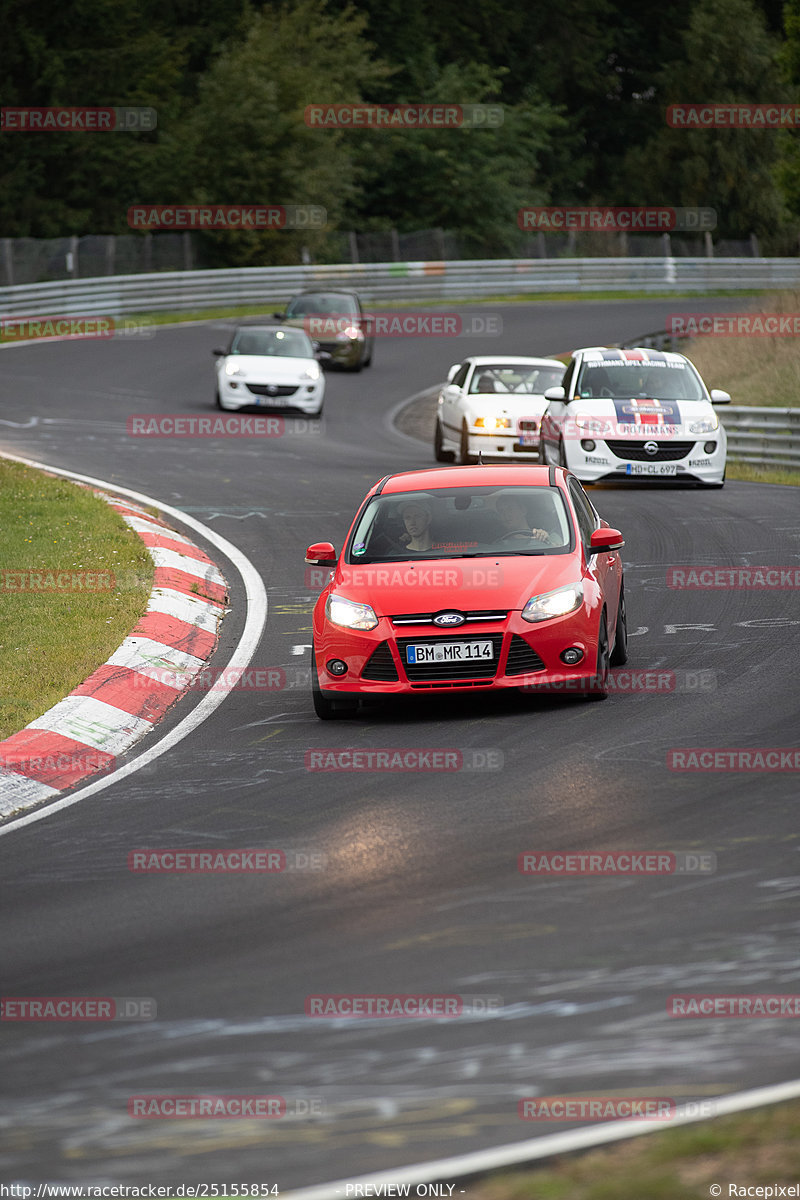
(727, 55)
(583, 86)
(468, 180)
(244, 140)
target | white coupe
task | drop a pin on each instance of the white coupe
(492, 405)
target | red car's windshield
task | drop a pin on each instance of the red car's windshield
(459, 522)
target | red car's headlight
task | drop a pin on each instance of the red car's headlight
(553, 604)
(349, 614)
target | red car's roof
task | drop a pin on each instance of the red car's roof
(477, 476)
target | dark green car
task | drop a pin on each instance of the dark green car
(337, 322)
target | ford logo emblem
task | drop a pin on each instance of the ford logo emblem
(449, 618)
(651, 447)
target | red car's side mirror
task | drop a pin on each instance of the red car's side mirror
(321, 554)
(606, 539)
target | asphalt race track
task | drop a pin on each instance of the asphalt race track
(420, 891)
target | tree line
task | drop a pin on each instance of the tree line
(583, 87)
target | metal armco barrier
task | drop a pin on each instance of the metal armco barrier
(184, 291)
(756, 434)
(767, 436)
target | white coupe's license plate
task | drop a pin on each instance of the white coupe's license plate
(272, 401)
(663, 468)
(444, 652)
(528, 439)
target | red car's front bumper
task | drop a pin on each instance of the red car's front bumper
(525, 655)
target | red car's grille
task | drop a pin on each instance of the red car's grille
(477, 614)
(380, 666)
(522, 658)
(456, 671)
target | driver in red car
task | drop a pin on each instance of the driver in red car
(511, 511)
(417, 520)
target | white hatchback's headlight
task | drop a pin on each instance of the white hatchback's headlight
(311, 372)
(707, 424)
(554, 604)
(350, 614)
(232, 368)
(591, 424)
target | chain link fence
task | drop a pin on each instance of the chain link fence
(40, 260)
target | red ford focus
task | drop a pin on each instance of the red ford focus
(465, 578)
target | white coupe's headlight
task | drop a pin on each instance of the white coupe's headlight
(554, 604)
(707, 424)
(492, 423)
(350, 614)
(232, 368)
(311, 372)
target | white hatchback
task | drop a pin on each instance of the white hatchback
(493, 404)
(634, 414)
(270, 366)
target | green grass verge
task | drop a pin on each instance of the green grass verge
(50, 639)
(755, 474)
(750, 1149)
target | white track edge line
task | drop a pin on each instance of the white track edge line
(532, 1149)
(255, 620)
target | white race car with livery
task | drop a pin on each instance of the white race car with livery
(634, 414)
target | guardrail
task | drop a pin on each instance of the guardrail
(756, 434)
(183, 291)
(767, 436)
